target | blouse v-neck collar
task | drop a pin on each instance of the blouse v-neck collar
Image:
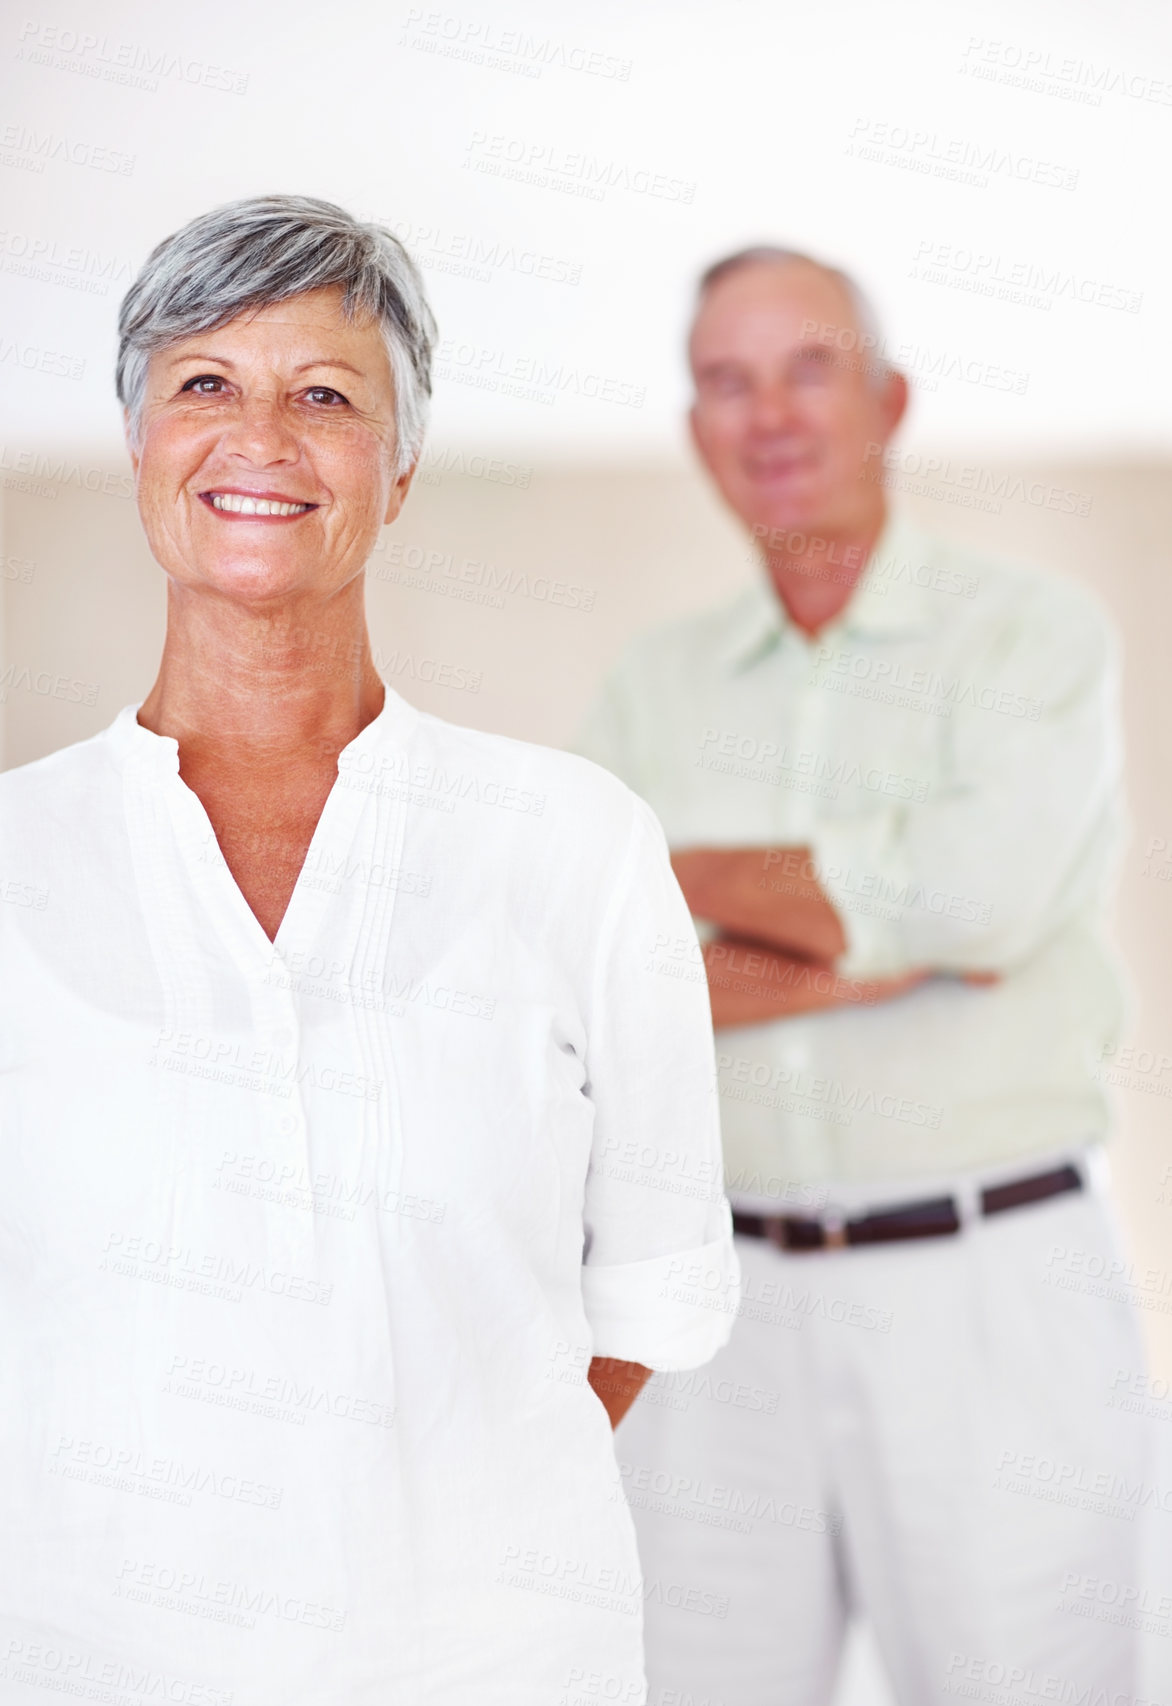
(151, 761)
(130, 738)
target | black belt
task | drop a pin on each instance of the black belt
(933, 1217)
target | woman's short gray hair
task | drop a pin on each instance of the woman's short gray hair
(249, 254)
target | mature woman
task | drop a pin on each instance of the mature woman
(350, 1101)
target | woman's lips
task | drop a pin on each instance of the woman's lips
(255, 506)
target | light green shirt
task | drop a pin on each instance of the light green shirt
(949, 749)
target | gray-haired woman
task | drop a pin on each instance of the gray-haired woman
(356, 1129)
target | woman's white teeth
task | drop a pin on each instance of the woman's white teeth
(239, 505)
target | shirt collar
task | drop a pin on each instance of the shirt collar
(753, 624)
(142, 746)
(889, 598)
(890, 595)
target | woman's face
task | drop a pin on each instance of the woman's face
(267, 450)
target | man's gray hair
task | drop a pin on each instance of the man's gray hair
(250, 254)
(870, 340)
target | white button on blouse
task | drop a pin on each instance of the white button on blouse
(305, 1246)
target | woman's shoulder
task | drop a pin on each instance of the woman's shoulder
(57, 814)
(60, 781)
(563, 789)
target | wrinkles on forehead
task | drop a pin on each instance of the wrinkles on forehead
(769, 306)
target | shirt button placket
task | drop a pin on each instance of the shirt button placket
(285, 1127)
(799, 819)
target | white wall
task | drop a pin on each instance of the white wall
(563, 170)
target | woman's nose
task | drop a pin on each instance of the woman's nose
(263, 432)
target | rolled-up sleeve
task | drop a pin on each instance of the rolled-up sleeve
(1024, 830)
(660, 1281)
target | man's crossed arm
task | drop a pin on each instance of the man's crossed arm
(780, 936)
(737, 888)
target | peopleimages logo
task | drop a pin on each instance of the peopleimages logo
(843, 670)
(1029, 283)
(866, 352)
(61, 471)
(25, 149)
(63, 1669)
(167, 1480)
(547, 166)
(127, 62)
(478, 42)
(768, 760)
(1044, 71)
(480, 258)
(1006, 1682)
(174, 1587)
(959, 159)
(529, 377)
(967, 484)
(34, 359)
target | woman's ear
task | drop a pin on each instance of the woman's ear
(399, 492)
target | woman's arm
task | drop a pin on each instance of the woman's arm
(617, 1383)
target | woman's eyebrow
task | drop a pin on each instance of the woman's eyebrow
(327, 361)
(226, 361)
(197, 355)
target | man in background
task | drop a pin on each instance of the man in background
(889, 774)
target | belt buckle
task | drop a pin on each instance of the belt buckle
(834, 1234)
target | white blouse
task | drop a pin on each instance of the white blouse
(305, 1246)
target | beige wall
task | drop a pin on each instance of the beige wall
(586, 556)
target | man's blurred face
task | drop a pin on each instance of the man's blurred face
(784, 414)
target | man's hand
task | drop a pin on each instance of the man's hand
(768, 893)
(617, 1383)
(749, 982)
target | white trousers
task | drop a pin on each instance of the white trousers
(942, 1434)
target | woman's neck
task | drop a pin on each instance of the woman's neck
(271, 685)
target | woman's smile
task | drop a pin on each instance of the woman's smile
(237, 505)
